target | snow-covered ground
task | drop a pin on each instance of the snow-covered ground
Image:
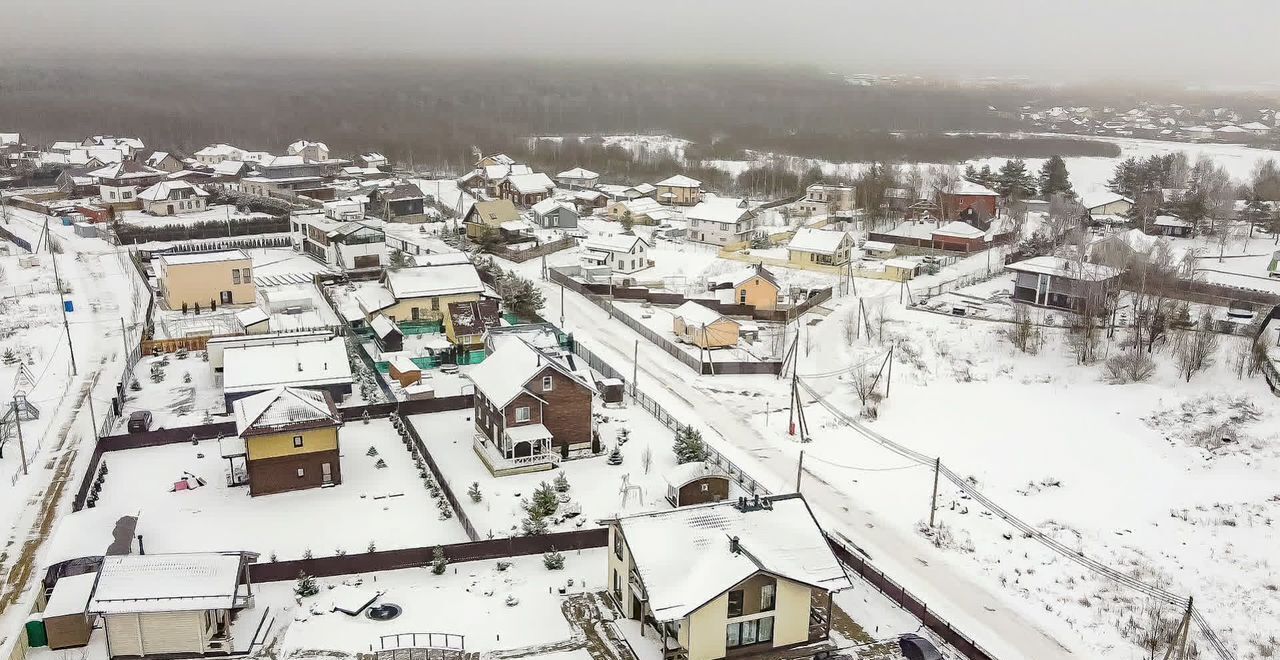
(217, 213)
(173, 402)
(389, 506)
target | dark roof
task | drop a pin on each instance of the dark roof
(473, 318)
(400, 191)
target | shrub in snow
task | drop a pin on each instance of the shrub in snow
(553, 560)
(512, 601)
(624, 434)
(615, 456)
(204, 356)
(306, 586)
(186, 377)
(373, 451)
(10, 357)
(272, 557)
(503, 565)
(689, 447)
(306, 554)
(562, 483)
(533, 526)
(438, 561)
(135, 385)
(365, 416)
(380, 464)
(181, 354)
(371, 548)
(338, 552)
(474, 492)
(1132, 366)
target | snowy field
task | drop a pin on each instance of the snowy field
(173, 401)
(595, 486)
(218, 213)
(389, 507)
(468, 599)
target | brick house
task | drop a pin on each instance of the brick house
(532, 407)
(966, 199)
(290, 438)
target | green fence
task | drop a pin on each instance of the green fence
(421, 327)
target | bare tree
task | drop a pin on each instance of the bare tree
(1024, 334)
(1092, 300)
(646, 458)
(1131, 366)
(879, 315)
(1194, 348)
(864, 385)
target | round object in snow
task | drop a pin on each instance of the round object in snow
(384, 612)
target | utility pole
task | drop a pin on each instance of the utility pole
(57, 281)
(933, 508)
(635, 367)
(1178, 647)
(889, 376)
(799, 470)
(93, 417)
(124, 339)
(17, 422)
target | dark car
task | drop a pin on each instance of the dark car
(139, 421)
(915, 647)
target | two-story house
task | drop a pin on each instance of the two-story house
(222, 277)
(721, 221)
(554, 214)
(119, 183)
(424, 292)
(754, 286)
(165, 161)
(356, 245)
(1063, 283)
(579, 178)
(312, 152)
(532, 407)
(217, 153)
(526, 189)
(290, 438)
(728, 579)
(820, 246)
(621, 253)
(826, 198)
(173, 198)
(679, 190)
(401, 202)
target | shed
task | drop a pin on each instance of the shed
(900, 269)
(696, 483)
(704, 327)
(611, 389)
(404, 371)
(420, 390)
(390, 338)
(66, 622)
(878, 249)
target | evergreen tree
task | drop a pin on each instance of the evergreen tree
(689, 447)
(1127, 178)
(520, 296)
(544, 502)
(615, 456)
(1013, 181)
(474, 492)
(533, 525)
(306, 586)
(561, 483)
(396, 260)
(438, 561)
(553, 560)
(1054, 178)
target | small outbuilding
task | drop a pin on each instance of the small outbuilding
(696, 483)
(404, 371)
(704, 327)
(389, 337)
(900, 269)
(67, 624)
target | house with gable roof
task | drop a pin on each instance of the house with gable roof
(726, 579)
(532, 408)
(173, 198)
(290, 440)
(622, 253)
(820, 246)
(679, 190)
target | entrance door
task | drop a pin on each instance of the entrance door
(226, 297)
(522, 449)
(636, 612)
(326, 473)
(170, 209)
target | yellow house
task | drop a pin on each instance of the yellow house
(489, 216)
(424, 292)
(819, 246)
(753, 286)
(900, 269)
(290, 440)
(704, 327)
(726, 579)
(224, 277)
(467, 322)
(679, 190)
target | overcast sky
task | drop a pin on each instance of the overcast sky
(1192, 41)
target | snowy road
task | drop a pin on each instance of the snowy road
(991, 621)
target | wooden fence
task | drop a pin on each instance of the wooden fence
(521, 256)
(390, 560)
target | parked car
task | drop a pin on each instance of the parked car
(139, 421)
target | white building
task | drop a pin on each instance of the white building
(578, 177)
(826, 198)
(311, 152)
(216, 153)
(173, 198)
(721, 221)
(346, 245)
(820, 246)
(622, 254)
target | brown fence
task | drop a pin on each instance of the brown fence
(521, 256)
(1205, 293)
(421, 448)
(389, 560)
(193, 343)
(898, 594)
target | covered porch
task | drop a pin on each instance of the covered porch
(525, 448)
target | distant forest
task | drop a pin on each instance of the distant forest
(433, 113)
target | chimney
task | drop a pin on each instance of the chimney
(143, 551)
(734, 547)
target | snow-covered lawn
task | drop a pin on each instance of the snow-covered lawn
(594, 485)
(470, 599)
(172, 401)
(389, 506)
(769, 346)
(217, 213)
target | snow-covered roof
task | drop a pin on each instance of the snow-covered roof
(1096, 199)
(680, 181)
(1066, 268)
(251, 316)
(641, 205)
(512, 363)
(1255, 126)
(157, 158)
(474, 317)
(70, 595)
(613, 243)
(686, 472)
(578, 173)
(528, 433)
(303, 144)
(126, 170)
(532, 183)
(901, 263)
(282, 408)
(229, 167)
(167, 583)
(726, 211)
(971, 189)
(684, 557)
(503, 170)
(821, 241)
(959, 230)
(185, 258)
(258, 367)
(383, 326)
(698, 315)
(878, 246)
(1170, 221)
(281, 161)
(428, 281)
(165, 189)
(740, 275)
(550, 204)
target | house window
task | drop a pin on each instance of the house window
(522, 414)
(767, 597)
(742, 296)
(297, 441)
(435, 304)
(735, 602)
(244, 274)
(112, 194)
(235, 275)
(705, 488)
(617, 544)
(126, 195)
(301, 473)
(617, 586)
(547, 383)
(746, 633)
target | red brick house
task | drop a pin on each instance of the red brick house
(959, 237)
(966, 199)
(532, 407)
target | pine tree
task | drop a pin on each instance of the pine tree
(438, 561)
(396, 260)
(553, 560)
(1054, 178)
(689, 447)
(474, 492)
(561, 483)
(520, 296)
(544, 502)
(10, 357)
(306, 586)
(533, 525)
(1013, 181)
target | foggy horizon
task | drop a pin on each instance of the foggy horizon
(1174, 43)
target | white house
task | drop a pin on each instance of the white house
(823, 197)
(578, 177)
(344, 244)
(216, 153)
(622, 254)
(310, 151)
(1105, 203)
(173, 198)
(721, 221)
